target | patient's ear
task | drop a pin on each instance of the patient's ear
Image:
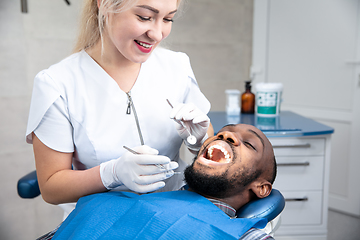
(261, 188)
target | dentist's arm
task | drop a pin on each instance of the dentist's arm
(57, 181)
(60, 184)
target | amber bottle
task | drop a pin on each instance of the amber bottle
(247, 99)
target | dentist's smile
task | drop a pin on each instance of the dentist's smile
(143, 47)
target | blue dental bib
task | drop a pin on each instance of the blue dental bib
(166, 215)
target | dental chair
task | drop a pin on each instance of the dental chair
(269, 208)
(28, 186)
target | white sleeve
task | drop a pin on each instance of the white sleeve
(48, 116)
(55, 130)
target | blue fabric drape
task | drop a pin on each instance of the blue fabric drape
(166, 215)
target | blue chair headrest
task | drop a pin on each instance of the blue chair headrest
(269, 207)
(28, 186)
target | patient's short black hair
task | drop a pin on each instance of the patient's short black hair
(273, 172)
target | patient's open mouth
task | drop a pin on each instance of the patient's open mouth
(219, 152)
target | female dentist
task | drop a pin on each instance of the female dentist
(110, 93)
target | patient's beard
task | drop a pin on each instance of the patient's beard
(220, 186)
(213, 186)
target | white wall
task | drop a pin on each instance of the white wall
(28, 43)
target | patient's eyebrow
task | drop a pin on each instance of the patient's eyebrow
(257, 135)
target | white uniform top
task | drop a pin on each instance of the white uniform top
(77, 107)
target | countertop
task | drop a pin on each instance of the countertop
(286, 124)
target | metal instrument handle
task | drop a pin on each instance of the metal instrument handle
(24, 6)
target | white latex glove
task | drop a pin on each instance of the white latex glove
(195, 121)
(138, 172)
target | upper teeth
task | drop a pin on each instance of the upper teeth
(223, 150)
(144, 45)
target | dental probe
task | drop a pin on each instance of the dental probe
(191, 138)
(135, 152)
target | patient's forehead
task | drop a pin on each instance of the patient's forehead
(239, 128)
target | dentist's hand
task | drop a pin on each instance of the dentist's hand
(138, 172)
(195, 121)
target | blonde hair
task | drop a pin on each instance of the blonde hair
(94, 18)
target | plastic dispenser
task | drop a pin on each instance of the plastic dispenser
(233, 106)
(232, 102)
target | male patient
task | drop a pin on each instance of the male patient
(231, 169)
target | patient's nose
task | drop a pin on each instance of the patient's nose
(228, 136)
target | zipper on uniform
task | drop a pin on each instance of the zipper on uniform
(128, 111)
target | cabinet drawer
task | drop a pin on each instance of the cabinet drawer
(298, 146)
(302, 208)
(299, 173)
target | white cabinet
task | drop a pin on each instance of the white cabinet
(303, 179)
(313, 49)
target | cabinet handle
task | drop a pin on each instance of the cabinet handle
(353, 62)
(304, 199)
(293, 164)
(306, 145)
